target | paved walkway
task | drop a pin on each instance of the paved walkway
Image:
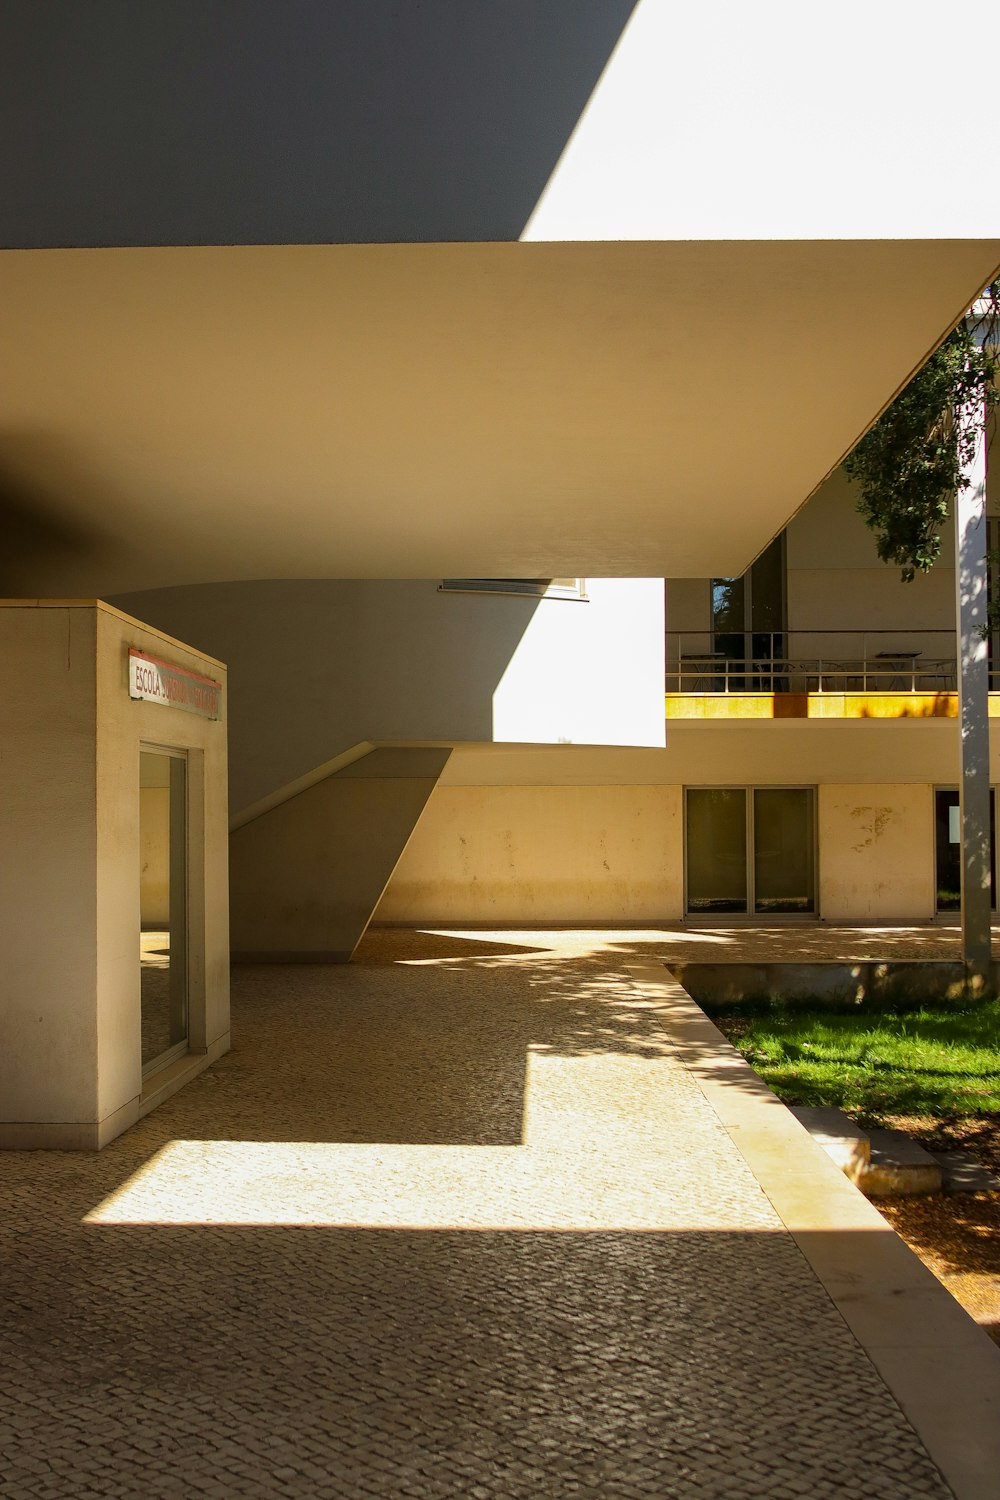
(465, 1219)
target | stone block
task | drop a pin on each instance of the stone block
(898, 1167)
(842, 1140)
(961, 1173)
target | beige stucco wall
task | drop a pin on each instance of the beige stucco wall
(542, 853)
(70, 1068)
(788, 752)
(615, 855)
(531, 835)
(48, 897)
(876, 852)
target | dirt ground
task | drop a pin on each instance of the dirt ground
(957, 1235)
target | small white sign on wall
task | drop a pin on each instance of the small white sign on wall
(156, 681)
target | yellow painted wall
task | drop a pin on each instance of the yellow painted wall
(542, 853)
(942, 705)
(876, 852)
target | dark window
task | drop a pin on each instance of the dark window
(948, 851)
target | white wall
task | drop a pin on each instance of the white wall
(777, 121)
(588, 673)
(317, 667)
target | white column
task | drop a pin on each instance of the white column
(973, 709)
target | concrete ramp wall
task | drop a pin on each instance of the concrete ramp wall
(307, 874)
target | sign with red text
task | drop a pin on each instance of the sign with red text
(157, 681)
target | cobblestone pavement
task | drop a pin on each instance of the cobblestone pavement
(453, 1221)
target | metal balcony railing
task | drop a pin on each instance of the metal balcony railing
(814, 661)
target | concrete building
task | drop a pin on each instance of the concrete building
(319, 317)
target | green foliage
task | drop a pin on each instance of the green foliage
(916, 457)
(938, 1060)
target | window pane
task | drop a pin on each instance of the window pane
(727, 604)
(767, 589)
(783, 863)
(162, 903)
(716, 849)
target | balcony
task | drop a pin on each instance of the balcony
(813, 674)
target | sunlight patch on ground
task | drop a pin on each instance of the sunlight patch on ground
(606, 1147)
(411, 1187)
(569, 941)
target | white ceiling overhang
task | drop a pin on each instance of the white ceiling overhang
(189, 414)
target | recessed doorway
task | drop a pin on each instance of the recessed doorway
(163, 903)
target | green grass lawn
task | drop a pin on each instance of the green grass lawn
(935, 1061)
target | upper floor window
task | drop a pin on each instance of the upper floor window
(748, 613)
(535, 588)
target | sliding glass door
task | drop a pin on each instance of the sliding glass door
(750, 850)
(784, 849)
(717, 849)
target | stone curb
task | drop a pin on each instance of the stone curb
(940, 1367)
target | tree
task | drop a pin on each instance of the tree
(918, 460)
(916, 457)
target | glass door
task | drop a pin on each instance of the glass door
(948, 851)
(717, 849)
(163, 948)
(751, 851)
(784, 852)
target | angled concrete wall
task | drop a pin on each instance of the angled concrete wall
(307, 875)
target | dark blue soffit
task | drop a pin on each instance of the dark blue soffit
(166, 122)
